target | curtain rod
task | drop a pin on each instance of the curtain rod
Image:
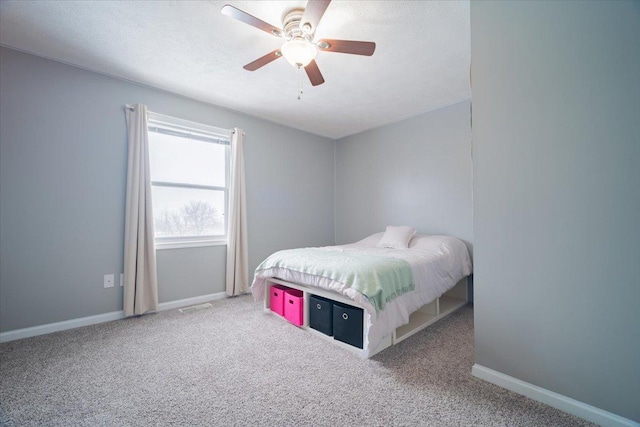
(131, 108)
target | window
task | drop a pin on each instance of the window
(189, 182)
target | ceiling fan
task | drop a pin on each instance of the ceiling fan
(299, 27)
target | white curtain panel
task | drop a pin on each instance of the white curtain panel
(140, 277)
(237, 249)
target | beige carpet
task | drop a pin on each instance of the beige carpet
(232, 364)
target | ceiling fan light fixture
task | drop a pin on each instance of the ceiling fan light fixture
(299, 52)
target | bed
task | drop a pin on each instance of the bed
(438, 269)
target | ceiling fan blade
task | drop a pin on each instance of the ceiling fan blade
(312, 14)
(240, 15)
(347, 46)
(315, 76)
(263, 60)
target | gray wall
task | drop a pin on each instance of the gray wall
(415, 172)
(62, 182)
(556, 140)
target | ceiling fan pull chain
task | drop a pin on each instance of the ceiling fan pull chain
(299, 83)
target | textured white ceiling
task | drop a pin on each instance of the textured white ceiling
(421, 61)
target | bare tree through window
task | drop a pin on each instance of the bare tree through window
(195, 218)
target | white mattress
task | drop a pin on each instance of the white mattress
(437, 262)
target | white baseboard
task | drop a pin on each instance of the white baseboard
(98, 318)
(190, 301)
(559, 401)
(33, 331)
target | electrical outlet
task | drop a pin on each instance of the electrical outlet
(121, 279)
(109, 280)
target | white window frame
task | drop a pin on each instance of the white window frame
(160, 123)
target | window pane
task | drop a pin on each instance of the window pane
(188, 212)
(186, 161)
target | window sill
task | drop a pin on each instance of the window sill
(189, 244)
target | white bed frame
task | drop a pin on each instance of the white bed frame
(450, 301)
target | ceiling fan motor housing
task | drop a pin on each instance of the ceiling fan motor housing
(292, 28)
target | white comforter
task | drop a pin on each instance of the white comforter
(437, 262)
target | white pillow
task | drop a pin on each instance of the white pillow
(396, 237)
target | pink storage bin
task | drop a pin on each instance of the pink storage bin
(276, 299)
(294, 306)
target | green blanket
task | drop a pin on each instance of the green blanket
(379, 278)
